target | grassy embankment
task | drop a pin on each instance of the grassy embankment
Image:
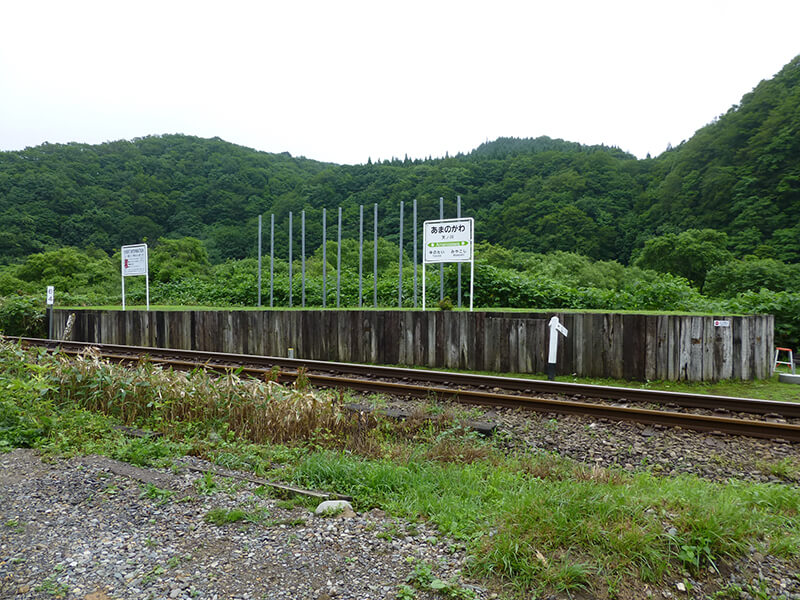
(531, 522)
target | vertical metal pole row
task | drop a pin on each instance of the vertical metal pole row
(324, 258)
(290, 259)
(458, 215)
(400, 262)
(259, 261)
(303, 255)
(360, 253)
(415, 253)
(271, 259)
(339, 261)
(441, 265)
(375, 259)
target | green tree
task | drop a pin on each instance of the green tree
(690, 254)
(171, 260)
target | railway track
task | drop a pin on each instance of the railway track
(778, 420)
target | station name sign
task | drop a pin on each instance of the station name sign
(448, 240)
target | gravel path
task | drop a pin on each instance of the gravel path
(86, 528)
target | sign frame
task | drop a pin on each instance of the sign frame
(134, 262)
(443, 241)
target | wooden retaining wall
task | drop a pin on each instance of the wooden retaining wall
(623, 346)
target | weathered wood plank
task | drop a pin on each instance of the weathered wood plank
(610, 345)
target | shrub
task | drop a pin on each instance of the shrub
(22, 316)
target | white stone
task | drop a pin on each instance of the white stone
(342, 508)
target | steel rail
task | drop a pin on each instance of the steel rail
(728, 425)
(511, 384)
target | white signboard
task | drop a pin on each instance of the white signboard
(134, 260)
(51, 294)
(449, 240)
(722, 323)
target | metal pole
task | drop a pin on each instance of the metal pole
(259, 261)
(271, 257)
(458, 215)
(415, 253)
(303, 253)
(400, 269)
(290, 259)
(324, 258)
(339, 261)
(360, 251)
(441, 265)
(423, 283)
(375, 260)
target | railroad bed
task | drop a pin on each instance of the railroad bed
(719, 414)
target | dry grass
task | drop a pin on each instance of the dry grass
(259, 411)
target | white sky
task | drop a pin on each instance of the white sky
(343, 81)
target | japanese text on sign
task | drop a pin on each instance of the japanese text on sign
(447, 241)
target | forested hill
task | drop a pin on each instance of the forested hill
(739, 175)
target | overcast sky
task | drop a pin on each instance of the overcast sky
(345, 81)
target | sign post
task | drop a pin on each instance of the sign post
(555, 329)
(51, 293)
(134, 262)
(449, 240)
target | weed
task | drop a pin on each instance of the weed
(15, 526)
(697, 554)
(155, 493)
(53, 588)
(445, 303)
(206, 484)
(154, 573)
(422, 579)
(406, 592)
(221, 516)
(785, 468)
(302, 383)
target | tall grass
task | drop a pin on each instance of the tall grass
(249, 409)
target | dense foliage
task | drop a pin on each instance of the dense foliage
(738, 175)
(504, 278)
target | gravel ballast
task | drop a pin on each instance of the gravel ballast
(78, 528)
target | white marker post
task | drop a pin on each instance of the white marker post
(555, 329)
(51, 295)
(134, 262)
